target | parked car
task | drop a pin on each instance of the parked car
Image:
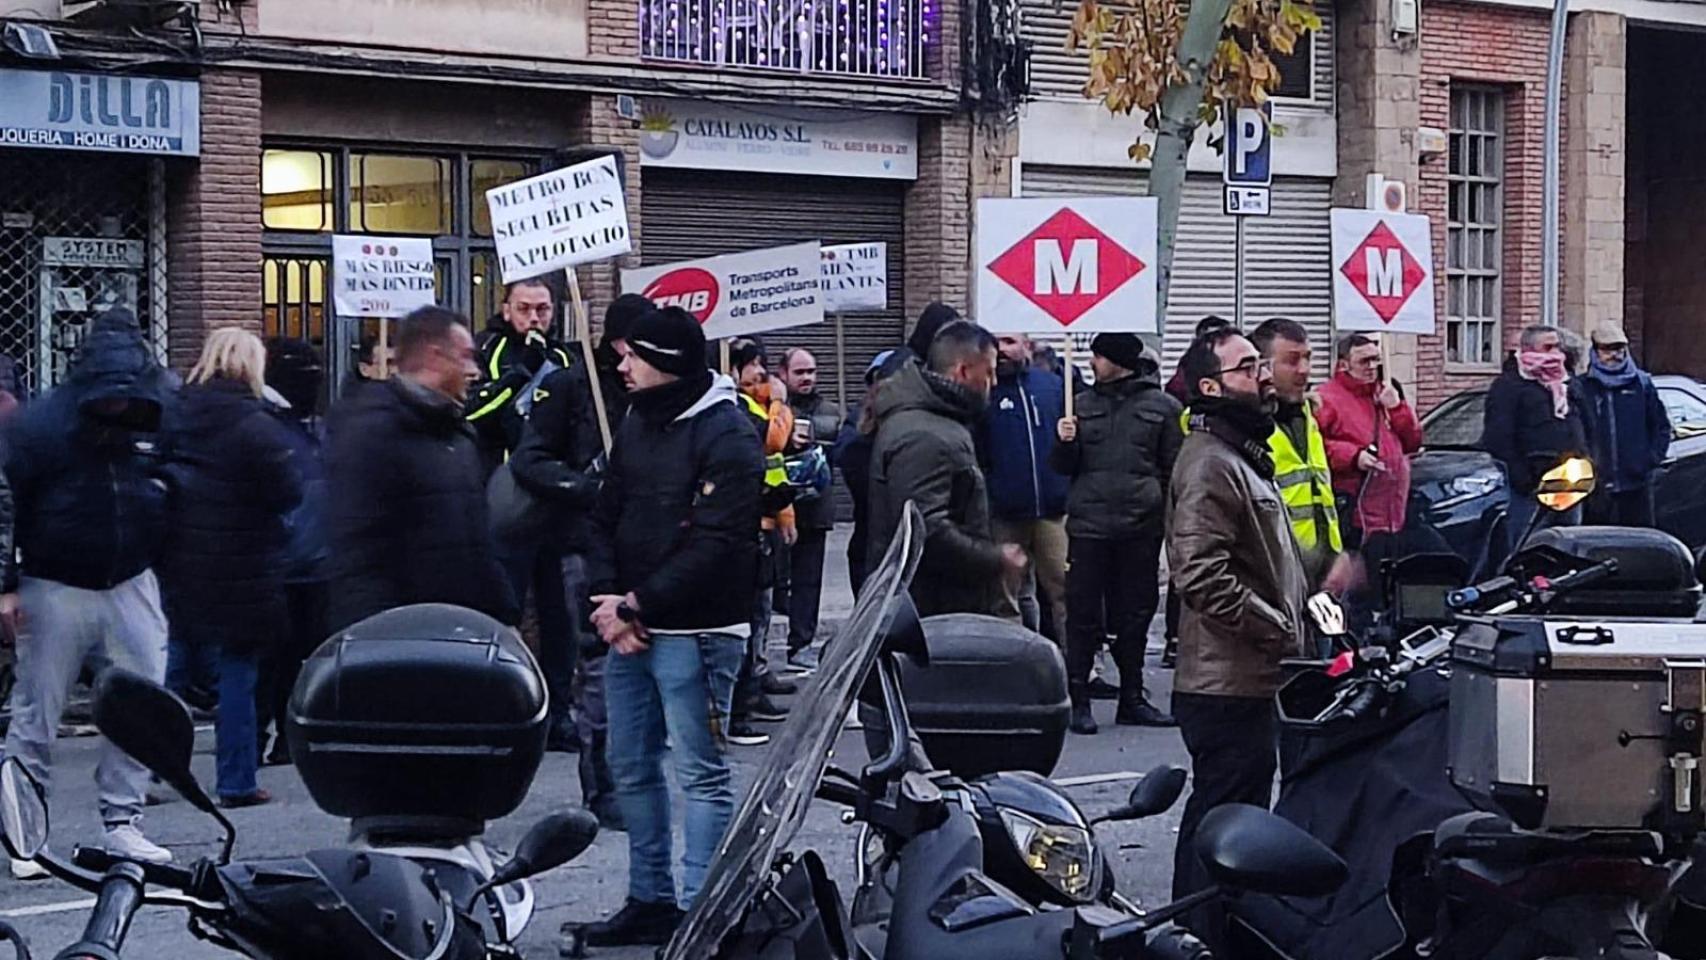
(1460, 490)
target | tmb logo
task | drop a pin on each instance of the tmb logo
(689, 288)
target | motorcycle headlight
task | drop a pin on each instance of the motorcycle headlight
(1063, 856)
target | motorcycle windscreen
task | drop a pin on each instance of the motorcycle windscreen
(775, 806)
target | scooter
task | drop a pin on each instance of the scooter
(352, 904)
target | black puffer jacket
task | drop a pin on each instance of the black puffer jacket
(678, 515)
(1128, 439)
(229, 464)
(1524, 433)
(90, 505)
(560, 444)
(407, 521)
(924, 453)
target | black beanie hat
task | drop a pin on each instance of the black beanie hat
(619, 317)
(1122, 349)
(671, 340)
(936, 316)
(743, 352)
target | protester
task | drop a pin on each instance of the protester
(1239, 572)
(816, 420)
(674, 530)
(407, 509)
(1534, 421)
(931, 320)
(559, 460)
(1178, 389)
(371, 364)
(90, 518)
(1119, 450)
(924, 453)
(296, 378)
(1370, 433)
(1026, 495)
(1300, 456)
(853, 455)
(516, 351)
(232, 476)
(1630, 428)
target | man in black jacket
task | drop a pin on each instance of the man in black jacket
(816, 421)
(514, 351)
(1119, 451)
(90, 527)
(407, 518)
(559, 460)
(924, 453)
(1535, 419)
(674, 552)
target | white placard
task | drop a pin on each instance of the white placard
(91, 252)
(381, 276)
(559, 219)
(739, 293)
(856, 277)
(1383, 274)
(1082, 265)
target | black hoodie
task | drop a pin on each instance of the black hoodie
(90, 503)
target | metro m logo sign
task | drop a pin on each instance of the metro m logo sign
(1047, 264)
(1055, 273)
(1385, 271)
(1382, 272)
(1066, 266)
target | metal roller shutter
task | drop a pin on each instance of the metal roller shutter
(1287, 255)
(686, 214)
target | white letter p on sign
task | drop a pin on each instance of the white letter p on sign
(1385, 271)
(1057, 273)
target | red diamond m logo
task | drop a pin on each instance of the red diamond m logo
(1382, 270)
(1066, 266)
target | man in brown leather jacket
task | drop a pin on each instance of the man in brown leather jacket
(1237, 568)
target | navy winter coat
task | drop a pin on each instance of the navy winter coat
(231, 470)
(90, 504)
(1631, 430)
(1522, 432)
(1014, 439)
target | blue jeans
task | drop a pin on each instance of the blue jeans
(236, 747)
(679, 689)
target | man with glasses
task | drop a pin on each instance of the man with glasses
(1240, 576)
(1630, 431)
(1369, 432)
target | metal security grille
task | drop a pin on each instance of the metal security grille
(1474, 254)
(79, 234)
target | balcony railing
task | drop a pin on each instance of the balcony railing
(866, 38)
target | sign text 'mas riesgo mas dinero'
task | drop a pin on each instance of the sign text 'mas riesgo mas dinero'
(381, 276)
(739, 293)
(559, 219)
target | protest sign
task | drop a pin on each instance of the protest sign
(1383, 274)
(1079, 265)
(559, 219)
(739, 293)
(381, 276)
(856, 277)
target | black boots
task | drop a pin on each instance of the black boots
(637, 924)
(1137, 711)
(1083, 721)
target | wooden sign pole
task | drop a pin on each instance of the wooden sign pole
(840, 364)
(384, 348)
(723, 356)
(1067, 373)
(583, 333)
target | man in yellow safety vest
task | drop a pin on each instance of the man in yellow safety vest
(1300, 456)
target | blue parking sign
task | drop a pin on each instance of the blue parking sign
(1249, 145)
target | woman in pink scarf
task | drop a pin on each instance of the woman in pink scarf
(1534, 420)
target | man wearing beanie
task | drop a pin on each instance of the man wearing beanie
(1119, 452)
(555, 461)
(674, 532)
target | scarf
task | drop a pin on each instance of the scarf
(1613, 377)
(1245, 427)
(1547, 369)
(659, 405)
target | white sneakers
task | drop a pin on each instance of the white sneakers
(27, 870)
(126, 841)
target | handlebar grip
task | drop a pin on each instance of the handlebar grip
(1584, 577)
(837, 792)
(1365, 703)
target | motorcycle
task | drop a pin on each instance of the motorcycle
(356, 904)
(759, 902)
(1442, 865)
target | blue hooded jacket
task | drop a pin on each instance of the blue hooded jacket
(1631, 430)
(1014, 440)
(83, 464)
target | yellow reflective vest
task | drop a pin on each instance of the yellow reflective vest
(775, 465)
(1305, 483)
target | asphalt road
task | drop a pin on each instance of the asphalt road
(51, 914)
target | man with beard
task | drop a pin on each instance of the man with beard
(924, 453)
(1240, 576)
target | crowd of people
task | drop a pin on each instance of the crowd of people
(650, 515)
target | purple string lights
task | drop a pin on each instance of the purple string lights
(863, 37)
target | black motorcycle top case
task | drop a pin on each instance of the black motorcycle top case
(992, 698)
(428, 712)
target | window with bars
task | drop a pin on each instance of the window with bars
(1474, 251)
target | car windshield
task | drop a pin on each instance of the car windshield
(786, 783)
(1456, 424)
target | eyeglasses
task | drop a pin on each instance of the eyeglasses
(1252, 368)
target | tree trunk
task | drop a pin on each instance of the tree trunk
(1179, 106)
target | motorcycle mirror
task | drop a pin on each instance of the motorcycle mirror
(1156, 793)
(23, 811)
(548, 844)
(153, 726)
(1566, 485)
(1328, 614)
(1247, 848)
